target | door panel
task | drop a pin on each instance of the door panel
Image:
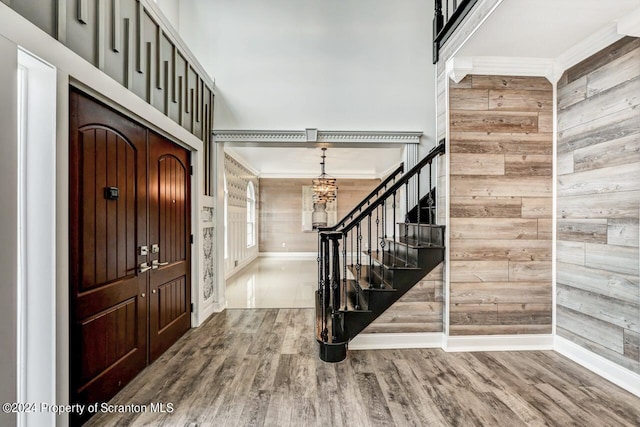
(169, 228)
(108, 308)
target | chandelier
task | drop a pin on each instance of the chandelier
(324, 186)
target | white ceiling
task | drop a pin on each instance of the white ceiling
(543, 28)
(281, 162)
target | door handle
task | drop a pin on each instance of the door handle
(155, 264)
(144, 267)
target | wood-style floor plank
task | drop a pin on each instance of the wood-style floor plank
(261, 368)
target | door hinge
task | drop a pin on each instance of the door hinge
(192, 307)
(191, 239)
(191, 170)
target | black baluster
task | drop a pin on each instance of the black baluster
(335, 283)
(406, 220)
(378, 230)
(393, 206)
(419, 209)
(358, 265)
(369, 249)
(384, 237)
(344, 268)
(325, 277)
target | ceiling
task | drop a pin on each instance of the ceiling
(543, 28)
(516, 29)
(283, 162)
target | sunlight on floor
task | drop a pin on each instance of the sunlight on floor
(274, 283)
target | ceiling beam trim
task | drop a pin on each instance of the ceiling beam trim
(313, 137)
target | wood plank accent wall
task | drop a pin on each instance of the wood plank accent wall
(500, 173)
(419, 310)
(281, 211)
(134, 44)
(598, 283)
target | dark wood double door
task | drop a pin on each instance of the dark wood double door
(130, 248)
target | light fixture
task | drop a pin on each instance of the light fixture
(324, 186)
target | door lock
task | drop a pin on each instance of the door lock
(143, 250)
(155, 248)
(144, 267)
(155, 264)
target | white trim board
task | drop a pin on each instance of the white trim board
(607, 369)
(395, 341)
(498, 343)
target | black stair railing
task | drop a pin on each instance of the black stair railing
(353, 255)
(368, 199)
(446, 20)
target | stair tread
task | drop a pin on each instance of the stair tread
(421, 224)
(363, 281)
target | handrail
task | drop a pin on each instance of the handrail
(437, 150)
(366, 200)
(443, 30)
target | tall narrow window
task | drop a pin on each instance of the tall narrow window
(225, 215)
(251, 215)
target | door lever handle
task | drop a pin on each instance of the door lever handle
(155, 264)
(144, 267)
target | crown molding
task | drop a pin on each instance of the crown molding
(459, 67)
(630, 24)
(314, 137)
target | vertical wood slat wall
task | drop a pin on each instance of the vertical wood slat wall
(500, 228)
(598, 290)
(128, 41)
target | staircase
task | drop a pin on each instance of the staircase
(370, 259)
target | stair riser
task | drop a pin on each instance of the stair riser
(419, 257)
(411, 231)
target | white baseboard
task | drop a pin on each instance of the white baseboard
(207, 311)
(292, 255)
(498, 343)
(607, 369)
(394, 341)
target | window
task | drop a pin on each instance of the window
(251, 215)
(225, 214)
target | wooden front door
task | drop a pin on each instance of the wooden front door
(129, 248)
(169, 235)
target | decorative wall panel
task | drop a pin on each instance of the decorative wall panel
(132, 42)
(598, 291)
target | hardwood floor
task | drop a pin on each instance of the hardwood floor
(260, 367)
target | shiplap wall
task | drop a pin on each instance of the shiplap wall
(131, 42)
(281, 211)
(598, 297)
(500, 227)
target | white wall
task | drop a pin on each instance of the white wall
(330, 64)
(170, 9)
